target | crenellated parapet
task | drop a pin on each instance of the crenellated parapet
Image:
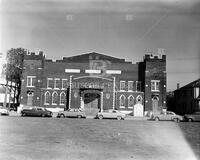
(150, 56)
(34, 56)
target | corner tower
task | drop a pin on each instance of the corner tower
(154, 82)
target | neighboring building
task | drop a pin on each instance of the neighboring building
(187, 98)
(95, 82)
(2, 95)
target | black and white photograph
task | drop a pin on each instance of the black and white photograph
(99, 79)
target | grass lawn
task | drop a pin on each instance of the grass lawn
(27, 138)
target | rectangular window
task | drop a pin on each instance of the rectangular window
(155, 85)
(56, 83)
(130, 85)
(31, 81)
(122, 85)
(49, 82)
(64, 83)
(138, 86)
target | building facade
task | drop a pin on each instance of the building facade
(95, 82)
(187, 98)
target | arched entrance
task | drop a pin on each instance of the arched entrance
(155, 100)
(30, 95)
(91, 101)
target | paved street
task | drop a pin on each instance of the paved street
(30, 138)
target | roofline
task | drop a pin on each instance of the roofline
(189, 85)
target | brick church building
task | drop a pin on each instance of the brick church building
(95, 82)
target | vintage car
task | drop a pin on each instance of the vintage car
(167, 116)
(192, 117)
(111, 114)
(4, 111)
(72, 112)
(36, 111)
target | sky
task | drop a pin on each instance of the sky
(120, 28)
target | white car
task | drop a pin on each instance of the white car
(4, 111)
(167, 116)
(111, 113)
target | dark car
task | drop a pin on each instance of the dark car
(192, 117)
(72, 112)
(36, 112)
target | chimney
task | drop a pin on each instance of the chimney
(178, 85)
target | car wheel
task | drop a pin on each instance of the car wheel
(119, 118)
(23, 114)
(43, 115)
(62, 116)
(176, 120)
(190, 120)
(157, 119)
(100, 117)
(79, 116)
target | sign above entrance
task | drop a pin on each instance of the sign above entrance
(72, 70)
(92, 71)
(113, 71)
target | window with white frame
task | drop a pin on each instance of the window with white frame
(130, 85)
(49, 82)
(155, 85)
(130, 101)
(122, 101)
(138, 86)
(139, 99)
(56, 83)
(62, 98)
(54, 98)
(64, 83)
(47, 98)
(31, 80)
(122, 85)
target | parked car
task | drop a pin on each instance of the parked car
(72, 112)
(4, 111)
(36, 111)
(111, 113)
(192, 117)
(167, 116)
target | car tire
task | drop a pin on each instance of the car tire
(62, 116)
(176, 120)
(119, 118)
(190, 120)
(79, 116)
(100, 117)
(157, 119)
(23, 114)
(43, 115)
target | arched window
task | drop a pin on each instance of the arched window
(139, 99)
(130, 101)
(122, 101)
(54, 98)
(62, 98)
(47, 98)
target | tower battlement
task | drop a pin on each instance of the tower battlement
(151, 56)
(34, 56)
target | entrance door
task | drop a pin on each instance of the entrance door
(91, 103)
(30, 99)
(155, 104)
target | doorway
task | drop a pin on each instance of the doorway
(91, 101)
(155, 104)
(30, 99)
